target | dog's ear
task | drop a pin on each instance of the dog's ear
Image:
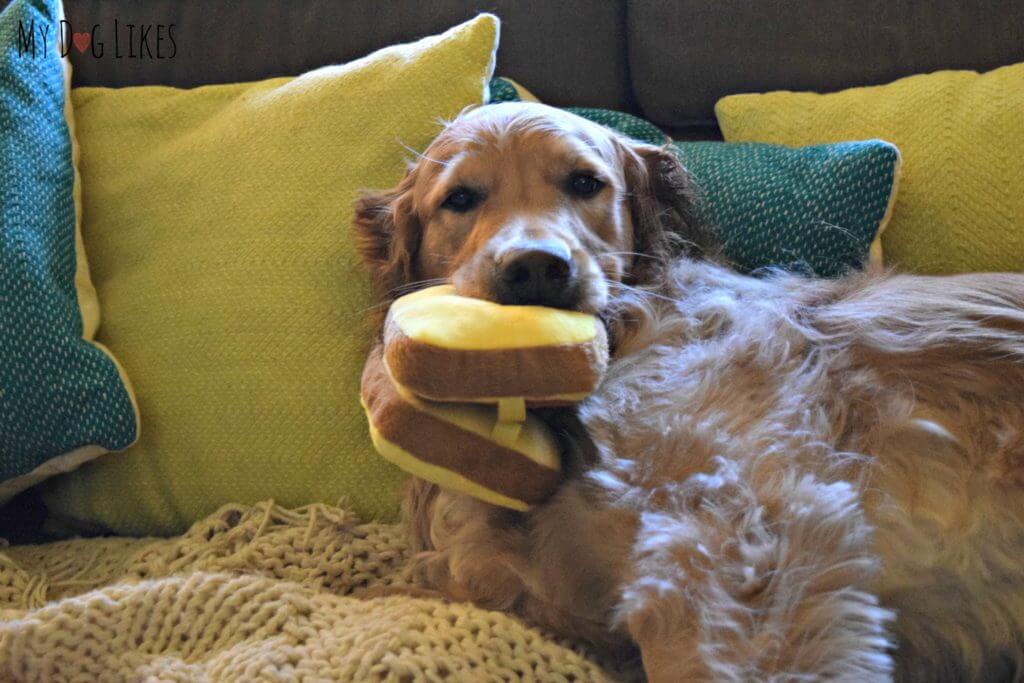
(388, 236)
(662, 202)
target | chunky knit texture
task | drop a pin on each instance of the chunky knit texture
(219, 227)
(256, 593)
(960, 207)
(62, 398)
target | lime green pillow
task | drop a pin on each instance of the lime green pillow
(960, 206)
(63, 399)
(218, 221)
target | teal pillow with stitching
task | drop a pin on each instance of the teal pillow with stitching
(815, 210)
(63, 399)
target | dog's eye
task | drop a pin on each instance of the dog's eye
(584, 185)
(461, 199)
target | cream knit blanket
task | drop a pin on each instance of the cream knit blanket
(255, 593)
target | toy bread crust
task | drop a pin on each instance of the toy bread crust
(438, 443)
(446, 347)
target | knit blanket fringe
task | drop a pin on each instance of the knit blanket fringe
(255, 593)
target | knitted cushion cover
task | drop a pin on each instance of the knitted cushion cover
(63, 399)
(814, 209)
(219, 223)
(258, 593)
(960, 206)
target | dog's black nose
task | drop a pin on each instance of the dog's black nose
(541, 274)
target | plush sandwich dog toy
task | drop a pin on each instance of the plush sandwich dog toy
(447, 393)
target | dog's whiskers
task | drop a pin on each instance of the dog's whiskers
(422, 155)
(643, 292)
(376, 306)
(413, 286)
(401, 290)
(630, 253)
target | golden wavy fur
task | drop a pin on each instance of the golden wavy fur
(779, 479)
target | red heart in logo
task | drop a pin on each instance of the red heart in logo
(81, 41)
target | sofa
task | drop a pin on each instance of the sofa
(668, 61)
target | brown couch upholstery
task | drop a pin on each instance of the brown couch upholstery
(669, 60)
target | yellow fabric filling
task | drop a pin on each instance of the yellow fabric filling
(440, 317)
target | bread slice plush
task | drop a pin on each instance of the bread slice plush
(454, 445)
(447, 393)
(447, 347)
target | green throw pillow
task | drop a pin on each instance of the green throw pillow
(816, 210)
(62, 398)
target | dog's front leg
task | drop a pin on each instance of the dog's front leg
(756, 574)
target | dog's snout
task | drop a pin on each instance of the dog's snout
(536, 268)
(539, 274)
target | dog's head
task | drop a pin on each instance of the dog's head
(526, 204)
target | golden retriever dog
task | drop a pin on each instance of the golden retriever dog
(780, 478)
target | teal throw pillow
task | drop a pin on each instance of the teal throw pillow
(63, 399)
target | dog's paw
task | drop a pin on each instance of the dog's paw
(485, 583)
(429, 571)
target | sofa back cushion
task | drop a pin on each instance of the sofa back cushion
(568, 50)
(686, 54)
